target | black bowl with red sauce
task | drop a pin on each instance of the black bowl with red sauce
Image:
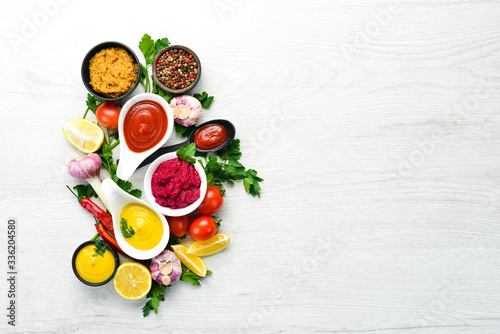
(217, 144)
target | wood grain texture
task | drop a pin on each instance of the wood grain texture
(374, 124)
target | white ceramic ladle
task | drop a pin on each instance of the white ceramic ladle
(129, 160)
(117, 200)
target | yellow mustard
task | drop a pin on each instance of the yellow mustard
(94, 269)
(147, 226)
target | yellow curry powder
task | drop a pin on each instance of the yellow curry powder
(113, 72)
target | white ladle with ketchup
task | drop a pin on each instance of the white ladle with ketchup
(130, 160)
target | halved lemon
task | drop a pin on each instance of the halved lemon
(193, 262)
(132, 280)
(83, 134)
(208, 247)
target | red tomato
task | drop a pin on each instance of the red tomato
(212, 202)
(178, 225)
(107, 114)
(203, 228)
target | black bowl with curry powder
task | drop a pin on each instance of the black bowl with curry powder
(113, 87)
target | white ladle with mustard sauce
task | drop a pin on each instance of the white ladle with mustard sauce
(117, 200)
(130, 160)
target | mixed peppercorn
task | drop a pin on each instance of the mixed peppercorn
(177, 69)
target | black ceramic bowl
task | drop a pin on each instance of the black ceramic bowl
(181, 90)
(108, 247)
(231, 132)
(86, 74)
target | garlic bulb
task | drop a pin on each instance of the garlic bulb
(166, 268)
(186, 109)
(88, 168)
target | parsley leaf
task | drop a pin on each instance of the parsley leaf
(224, 167)
(157, 294)
(127, 231)
(99, 248)
(161, 44)
(190, 277)
(186, 153)
(92, 104)
(147, 47)
(84, 191)
(205, 100)
(167, 96)
(182, 130)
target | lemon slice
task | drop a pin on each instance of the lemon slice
(208, 247)
(194, 263)
(83, 134)
(132, 280)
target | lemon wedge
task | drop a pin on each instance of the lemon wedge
(83, 134)
(193, 262)
(132, 280)
(208, 247)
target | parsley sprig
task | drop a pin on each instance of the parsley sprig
(127, 231)
(99, 248)
(186, 154)
(190, 277)
(156, 294)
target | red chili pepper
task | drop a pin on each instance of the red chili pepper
(107, 237)
(99, 213)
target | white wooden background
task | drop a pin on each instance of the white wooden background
(375, 125)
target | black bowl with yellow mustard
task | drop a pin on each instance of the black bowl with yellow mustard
(110, 71)
(93, 265)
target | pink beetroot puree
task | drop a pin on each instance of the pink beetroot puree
(175, 184)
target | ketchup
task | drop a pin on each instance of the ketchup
(210, 137)
(145, 125)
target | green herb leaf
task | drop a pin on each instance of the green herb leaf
(251, 182)
(167, 96)
(84, 191)
(127, 231)
(99, 248)
(156, 294)
(205, 100)
(182, 130)
(147, 47)
(161, 44)
(190, 277)
(93, 102)
(229, 169)
(186, 153)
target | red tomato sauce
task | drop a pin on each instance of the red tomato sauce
(145, 125)
(210, 137)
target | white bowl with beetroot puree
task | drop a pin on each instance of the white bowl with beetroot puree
(175, 185)
(146, 122)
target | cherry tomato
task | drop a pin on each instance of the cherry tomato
(203, 228)
(107, 114)
(212, 202)
(178, 225)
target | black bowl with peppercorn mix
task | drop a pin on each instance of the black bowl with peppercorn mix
(176, 69)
